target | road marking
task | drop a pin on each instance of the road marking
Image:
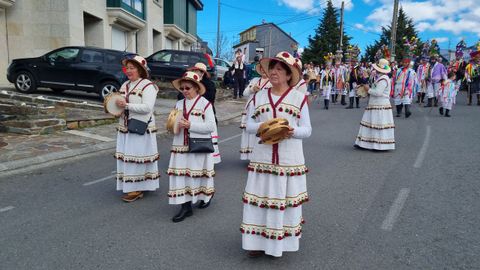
(89, 135)
(423, 150)
(395, 209)
(230, 138)
(5, 209)
(99, 180)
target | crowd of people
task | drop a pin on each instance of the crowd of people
(274, 123)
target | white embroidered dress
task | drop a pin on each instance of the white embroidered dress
(137, 155)
(276, 186)
(448, 94)
(377, 126)
(248, 140)
(191, 174)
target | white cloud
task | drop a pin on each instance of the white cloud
(460, 16)
(441, 39)
(348, 4)
(301, 5)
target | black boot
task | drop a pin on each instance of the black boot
(407, 111)
(418, 97)
(350, 101)
(435, 102)
(478, 100)
(469, 100)
(399, 110)
(429, 102)
(336, 98)
(184, 212)
(423, 98)
(333, 98)
(326, 101)
(343, 100)
(202, 204)
(447, 113)
(357, 101)
(440, 110)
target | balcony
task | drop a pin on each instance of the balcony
(126, 13)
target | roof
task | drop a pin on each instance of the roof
(197, 4)
(272, 24)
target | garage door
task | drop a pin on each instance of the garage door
(119, 39)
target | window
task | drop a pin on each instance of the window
(180, 58)
(162, 57)
(138, 5)
(113, 58)
(65, 55)
(90, 56)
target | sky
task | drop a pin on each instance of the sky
(447, 21)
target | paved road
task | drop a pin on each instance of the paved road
(414, 208)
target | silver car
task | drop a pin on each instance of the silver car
(221, 66)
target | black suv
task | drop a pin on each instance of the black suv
(74, 68)
(171, 64)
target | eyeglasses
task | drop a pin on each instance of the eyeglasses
(186, 88)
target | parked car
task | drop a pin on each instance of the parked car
(221, 66)
(87, 69)
(171, 64)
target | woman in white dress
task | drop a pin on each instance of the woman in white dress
(137, 155)
(377, 126)
(255, 85)
(276, 185)
(191, 174)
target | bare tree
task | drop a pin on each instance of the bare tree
(225, 50)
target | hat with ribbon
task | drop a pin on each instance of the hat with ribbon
(382, 66)
(192, 77)
(200, 66)
(289, 60)
(139, 62)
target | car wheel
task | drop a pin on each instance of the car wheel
(25, 83)
(106, 88)
(58, 90)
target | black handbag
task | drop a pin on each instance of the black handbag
(137, 126)
(200, 145)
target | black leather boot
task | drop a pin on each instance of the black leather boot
(184, 212)
(418, 97)
(336, 98)
(478, 100)
(350, 101)
(423, 98)
(407, 111)
(429, 102)
(399, 110)
(447, 113)
(333, 98)
(440, 110)
(435, 102)
(326, 101)
(469, 100)
(357, 101)
(342, 101)
(202, 204)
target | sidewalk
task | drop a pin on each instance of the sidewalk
(20, 151)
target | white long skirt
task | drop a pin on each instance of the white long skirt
(217, 158)
(247, 141)
(137, 168)
(272, 212)
(190, 177)
(377, 128)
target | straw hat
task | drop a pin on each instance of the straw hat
(273, 131)
(192, 77)
(287, 59)
(382, 66)
(202, 67)
(259, 69)
(139, 62)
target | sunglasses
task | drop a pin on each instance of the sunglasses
(186, 88)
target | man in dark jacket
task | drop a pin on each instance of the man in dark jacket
(238, 69)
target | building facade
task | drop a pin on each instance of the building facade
(30, 28)
(266, 39)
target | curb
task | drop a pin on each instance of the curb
(22, 164)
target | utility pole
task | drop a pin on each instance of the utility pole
(218, 30)
(393, 36)
(340, 45)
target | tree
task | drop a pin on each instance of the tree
(327, 37)
(225, 51)
(405, 28)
